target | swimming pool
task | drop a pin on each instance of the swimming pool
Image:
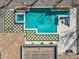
(19, 17)
(43, 19)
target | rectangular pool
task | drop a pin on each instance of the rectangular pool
(44, 20)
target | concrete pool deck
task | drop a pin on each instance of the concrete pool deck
(65, 40)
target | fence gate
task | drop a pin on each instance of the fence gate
(39, 52)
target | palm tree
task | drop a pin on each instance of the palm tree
(68, 40)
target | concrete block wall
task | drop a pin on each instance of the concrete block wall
(77, 32)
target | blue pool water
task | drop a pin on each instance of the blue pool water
(43, 19)
(20, 17)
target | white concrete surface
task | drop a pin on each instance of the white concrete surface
(67, 35)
